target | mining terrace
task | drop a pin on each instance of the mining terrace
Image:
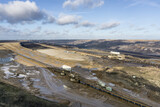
(53, 71)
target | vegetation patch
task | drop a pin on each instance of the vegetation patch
(11, 96)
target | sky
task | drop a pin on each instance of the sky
(79, 19)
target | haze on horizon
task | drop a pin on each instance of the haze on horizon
(79, 19)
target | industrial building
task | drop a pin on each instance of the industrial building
(116, 55)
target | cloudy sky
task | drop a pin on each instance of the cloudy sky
(79, 19)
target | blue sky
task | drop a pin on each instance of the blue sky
(79, 19)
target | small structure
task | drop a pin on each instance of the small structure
(116, 55)
(101, 83)
(109, 88)
(134, 76)
(63, 73)
(72, 75)
(67, 68)
(72, 79)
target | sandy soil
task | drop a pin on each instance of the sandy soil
(63, 54)
(57, 57)
(151, 74)
(45, 84)
(48, 59)
(2, 48)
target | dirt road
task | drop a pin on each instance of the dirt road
(56, 87)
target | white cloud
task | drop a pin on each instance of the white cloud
(7, 30)
(22, 11)
(144, 2)
(86, 24)
(36, 30)
(65, 19)
(84, 3)
(140, 29)
(109, 25)
(49, 19)
(51, 32)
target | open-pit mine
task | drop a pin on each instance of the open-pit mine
(77, 74)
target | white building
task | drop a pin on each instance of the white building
(116, 55)
(66, 67)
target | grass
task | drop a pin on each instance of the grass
(11, 96)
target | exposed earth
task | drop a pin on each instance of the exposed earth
(31, 66)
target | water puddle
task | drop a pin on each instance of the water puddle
(6, 60)
(111, 84)
(8, 74)
(21, 76)
(25, 84)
